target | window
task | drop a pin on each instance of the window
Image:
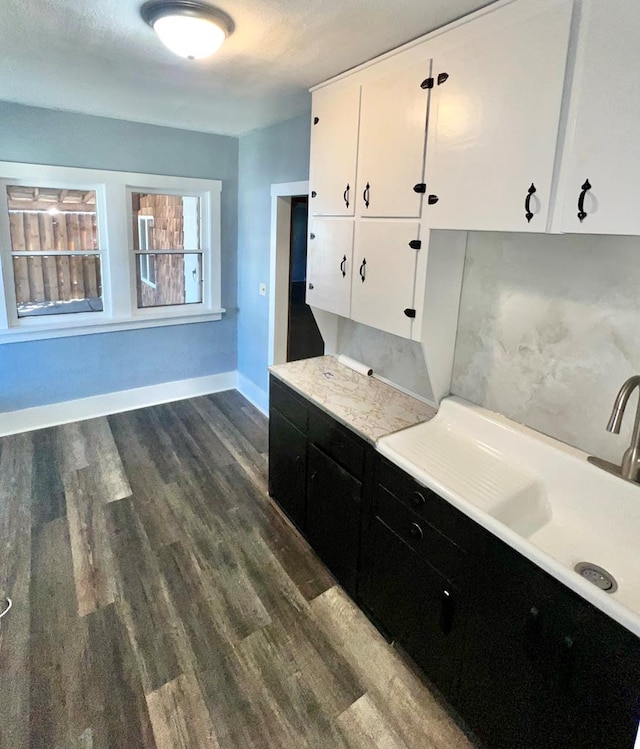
(54, 250)
(165, 227)
(83, 250)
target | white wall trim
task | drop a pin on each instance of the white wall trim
(39, 417)
(281, 195)
(255, 395)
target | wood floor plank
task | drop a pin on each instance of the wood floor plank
(48, 500)
(60, 712)
(143, 598)
(119, 712)
(102, 454)
(16, 476)
(93, 569)
(364, 725)
(180, 717)
(248, 420)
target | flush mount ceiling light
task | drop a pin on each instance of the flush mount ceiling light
(188, 28)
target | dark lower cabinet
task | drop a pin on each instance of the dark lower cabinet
(414, 605)
(526, 662)
(543, 667)
(288, 467)
(334, 501)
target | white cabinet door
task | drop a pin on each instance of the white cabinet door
(391, 150)
(334, 149)
(494, 121)
(384, 272)
(602, 148)
(329, 255)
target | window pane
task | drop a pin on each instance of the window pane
(56, 284)
(165, 222)
(174, 278)
(44, 219)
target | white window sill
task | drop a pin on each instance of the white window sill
(67, 328)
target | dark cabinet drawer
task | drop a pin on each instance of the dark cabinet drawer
(289, 404)
(427, 541)
(337, 442)
(442, 516)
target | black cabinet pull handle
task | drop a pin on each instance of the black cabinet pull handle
(311, 287)
(362, 271)
(432, 199)
(527, 203)
(365, 195)
(417, 499)
(313, 193)
(343, 265)
(345, 196)
(316, 120)
(312, 236)
(442, 77)
(447, 611)
(582, 214)
(416, 532)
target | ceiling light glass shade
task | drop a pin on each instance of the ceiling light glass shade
(188, 28)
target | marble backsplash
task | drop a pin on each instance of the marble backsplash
(396, 359)
(549, 329)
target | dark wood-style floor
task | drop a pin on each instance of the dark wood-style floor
(161, 600)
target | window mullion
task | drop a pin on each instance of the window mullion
(116, 241)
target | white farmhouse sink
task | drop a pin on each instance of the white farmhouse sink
(537, 494)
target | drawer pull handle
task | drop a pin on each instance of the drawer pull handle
(582, 214)
(365, 195)
(345, 196)
(416, 532)
(447, 612)
(527, 203)
(418, 499)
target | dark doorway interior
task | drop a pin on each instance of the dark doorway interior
(303, 337)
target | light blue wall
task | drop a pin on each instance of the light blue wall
(41, 372)
(275, 154)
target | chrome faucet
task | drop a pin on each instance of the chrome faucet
(630, 468)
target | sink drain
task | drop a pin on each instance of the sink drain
(598, 576)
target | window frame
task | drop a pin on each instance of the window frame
(146, 253)
(118, 261)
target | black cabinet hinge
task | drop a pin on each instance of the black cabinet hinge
(415, 244)
(410, 313)
(442, 77)
(421, 187)
(432, 199)
(427, 83)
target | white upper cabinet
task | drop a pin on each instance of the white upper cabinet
(393, 123)
(602, 149)
(334, 148)
(383, 275)
(329, 254)
(494, 118)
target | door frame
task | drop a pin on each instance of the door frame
(280, 249)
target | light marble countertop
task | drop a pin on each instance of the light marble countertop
(369, 407)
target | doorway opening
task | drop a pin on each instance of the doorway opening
(303, 337)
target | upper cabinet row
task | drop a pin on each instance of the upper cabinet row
(469, 135)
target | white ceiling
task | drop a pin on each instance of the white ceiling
(99, 57)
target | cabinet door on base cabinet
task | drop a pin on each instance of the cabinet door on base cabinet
(602, 149)
(334, 148)
(415, 605)
(384, 275)
(393, 126)
(329, 265)
(287, 467)
(333, 516)
(494, 122)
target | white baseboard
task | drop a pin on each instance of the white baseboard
(39, 417)
(253, 393)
